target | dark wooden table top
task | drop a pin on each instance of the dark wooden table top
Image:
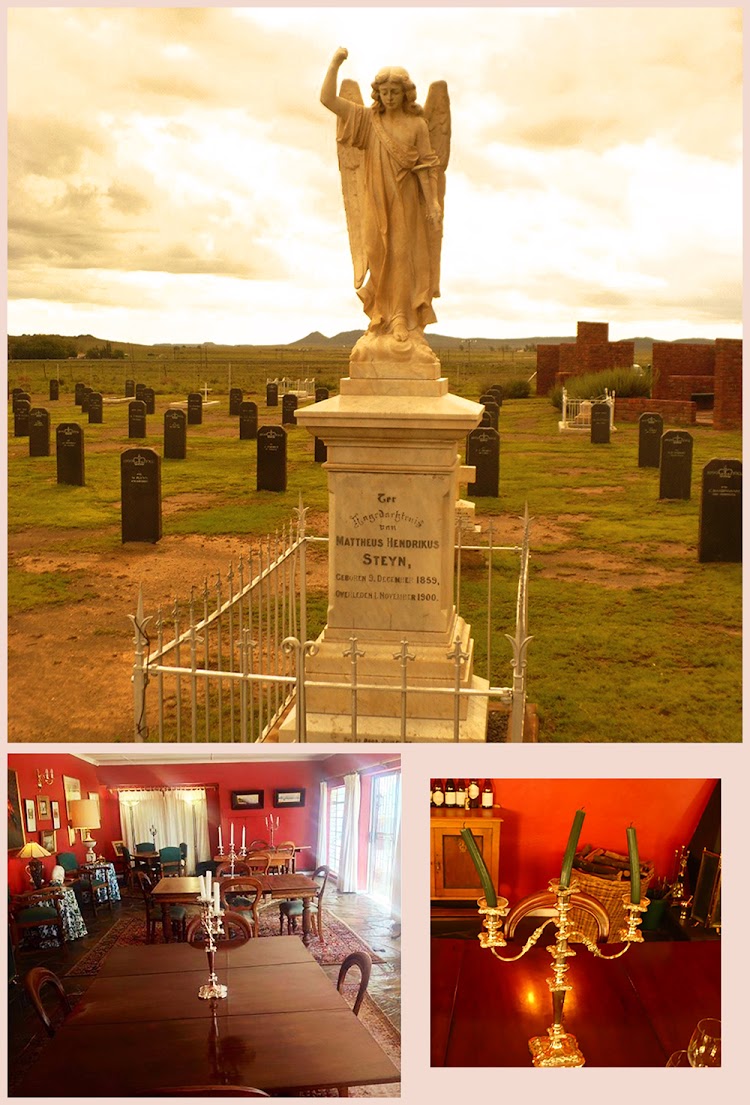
(631, 1011)
(283, 1026)
(291, 886)
(180, 888)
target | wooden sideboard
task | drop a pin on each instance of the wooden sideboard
(453, 876)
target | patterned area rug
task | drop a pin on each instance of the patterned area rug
(339, 941)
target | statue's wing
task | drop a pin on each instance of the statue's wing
(437, 113)
(352, 167)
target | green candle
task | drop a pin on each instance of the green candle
(570, 851)
(635, 866)
(484, 876)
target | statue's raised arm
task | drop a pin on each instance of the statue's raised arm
(392, 157)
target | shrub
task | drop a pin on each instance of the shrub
(517, 389)
(625, 383)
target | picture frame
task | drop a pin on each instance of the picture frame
(55, 811)
(118, 848)
(71, 836)
(247, 799)
(16, 834)
(42, 808)
(72, 790)
(30, 811)
(48, 840)
(94, 796)
(288, 799)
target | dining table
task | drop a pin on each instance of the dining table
(284, 887)
(175, 890)
(276, 858)
(633, 1011)
(141, 1027)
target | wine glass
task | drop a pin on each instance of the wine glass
(704, 1049)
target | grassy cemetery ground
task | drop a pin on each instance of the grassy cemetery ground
(634, 640)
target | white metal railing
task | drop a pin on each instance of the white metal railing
(299, 387)
(576, 413)
(229, 663)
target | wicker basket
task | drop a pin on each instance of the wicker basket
(610, 893)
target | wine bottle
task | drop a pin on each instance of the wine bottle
(488, 797)
(450, 793)
(432, 793)
(474, 794)
(438, 796)
(460, 794)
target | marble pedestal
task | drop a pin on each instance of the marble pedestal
(392, 436)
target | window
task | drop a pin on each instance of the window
(384, 818)
(335, 826)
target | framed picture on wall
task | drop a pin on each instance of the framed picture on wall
(55, 810)
(30, 811)
(118, 847)
(247, 799)
(72, 790)
(289, 797)
(16, 835)
(48, 840)
(94, 796)
(42, 808)
(71, 836)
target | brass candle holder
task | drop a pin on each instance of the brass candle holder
(211, 919)
(558, 1048)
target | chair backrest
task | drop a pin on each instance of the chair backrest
(364, 962)
(144, 884)
(285, 844)
(241, 867)
(237, 931)
(33, 982)
(209, 1091)
(261, 861)
(258, 845)
(245, 886)
(50, 896)
(285, 850)
(183, 850)
(68, 860)
(204, 865)
(544, 899)
(320, 874)
(125, 854)
(145, 846)
(170, 854)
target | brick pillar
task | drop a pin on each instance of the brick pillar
(728, 384)
(547, 367)
(592, 333)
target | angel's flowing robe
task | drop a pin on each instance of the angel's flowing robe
(402, 250)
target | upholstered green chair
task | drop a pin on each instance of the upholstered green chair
(242, 895)
(293, 908)
(177, 913)
(69, 863)
(95, 879)
(34, 910)
(171, 861)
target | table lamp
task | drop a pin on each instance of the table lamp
(35, 869)
(84, 815)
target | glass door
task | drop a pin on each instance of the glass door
(385, 813)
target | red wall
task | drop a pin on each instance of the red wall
(537, 815)
(25, 767)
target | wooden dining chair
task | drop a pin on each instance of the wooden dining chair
(290, 847)
(170, 859)
(283, 859)
(547, 899)
(177, 913)
(294, 908)
(364, 962)
(33, 910)
(95, 879)
(224, 869)
(33, 982)
(242, 895)
(237, 931)
(209, 1091)
(259, 863)
(259, 845)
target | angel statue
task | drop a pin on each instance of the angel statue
(392, 158)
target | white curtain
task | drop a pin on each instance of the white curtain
(348, 862)
(177, 816)
(321, 847)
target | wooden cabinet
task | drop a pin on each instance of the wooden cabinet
(453, 876)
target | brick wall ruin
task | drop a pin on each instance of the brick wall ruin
(592, 351)
(728, 384)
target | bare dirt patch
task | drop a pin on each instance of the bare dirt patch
(602, 570)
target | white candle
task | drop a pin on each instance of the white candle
(208, 885)
(221, 850)
(217, 899)
(202, 883)
(243, 836)
(231, 834)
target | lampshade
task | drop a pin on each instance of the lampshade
(84, 813)
(32, 850)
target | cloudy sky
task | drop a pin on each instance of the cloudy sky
(173, 175)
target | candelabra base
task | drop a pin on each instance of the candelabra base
(560, 1052)
(212, 990)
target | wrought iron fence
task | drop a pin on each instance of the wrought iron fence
(576, 413)
(227, 664)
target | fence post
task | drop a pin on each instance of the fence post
(301, 512)
(460, 657)
(301, 651)
(404, 656)
(140, 671)
(520, 642)
(354, 653)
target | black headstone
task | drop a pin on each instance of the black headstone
(498, 392)
(491, 408)
(130, 389)
(38, 432)
(20, 396)
(720, 528)
(650, 429)
(486, 420)
(272, 395)
(21, 418)
(149, 398)
(175, 434)
(676, 465)
(136, 418)
(79, 394)
(15, 393)
(54, 389)
(321, 394)
(235, 398)
(195, 408)
(85, 397)
(321, 451)
(69, 440)
(96, 408)
(248, 421)
(600, 427)
(139, 390)
(483, 452)
(288, 407)
(271, 465)
(140, 485)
